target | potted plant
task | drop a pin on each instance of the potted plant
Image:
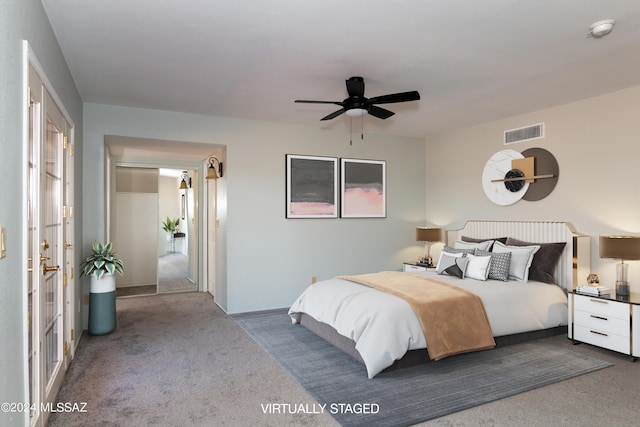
(170, 225)
(101, 261)
(100, 265)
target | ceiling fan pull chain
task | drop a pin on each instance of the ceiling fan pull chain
(362, 128)
(350, 131)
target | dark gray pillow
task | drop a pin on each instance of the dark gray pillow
(474, 240)
(499, 265)
(544, 261)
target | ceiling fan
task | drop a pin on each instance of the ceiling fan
(356, 105)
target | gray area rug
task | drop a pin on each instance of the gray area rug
(412, 395)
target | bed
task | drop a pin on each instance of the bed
(382, 330)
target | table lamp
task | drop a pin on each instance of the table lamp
(622, 248)
(428, 235)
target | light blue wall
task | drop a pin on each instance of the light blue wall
(270, 259)
(22, 20)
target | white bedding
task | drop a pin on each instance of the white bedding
(384, 326)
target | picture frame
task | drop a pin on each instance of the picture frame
(363, 188)
(312, 186)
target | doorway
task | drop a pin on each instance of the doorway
(177, 248)
(206, 199)
(154, 228)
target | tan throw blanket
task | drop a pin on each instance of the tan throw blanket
(453, 319)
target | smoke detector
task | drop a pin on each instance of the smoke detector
(601, 28)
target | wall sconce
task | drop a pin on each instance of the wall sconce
(621, 247)
(212, 172)
(186, 181)
(428, 235)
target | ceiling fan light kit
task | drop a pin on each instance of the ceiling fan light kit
(601, 28)
(356, 112)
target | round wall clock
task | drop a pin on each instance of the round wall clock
(509, 176)
(497, 167)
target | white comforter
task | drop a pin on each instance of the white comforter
(384, 326)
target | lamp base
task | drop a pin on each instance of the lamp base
(622, 289)
(622, 279)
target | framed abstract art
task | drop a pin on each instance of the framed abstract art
(312, 186)
(363, 188)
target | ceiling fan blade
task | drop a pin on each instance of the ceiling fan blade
(334, 114)
(395, 97)
(380, 113)
(318, 102)
(355, 86)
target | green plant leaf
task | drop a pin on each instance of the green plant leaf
(101, 260)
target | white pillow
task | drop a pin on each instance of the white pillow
(521, 258)
(478, 267)
(483, 246)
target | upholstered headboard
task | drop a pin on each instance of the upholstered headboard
(575, 262)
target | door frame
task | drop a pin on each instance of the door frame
(68, 293)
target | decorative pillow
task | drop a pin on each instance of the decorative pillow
(499, 265)
(544, 261)
(483, 246)
(458, 250)
(474, 240)
(445, 253)
(452, 264)
(521, 258)
(478, 267)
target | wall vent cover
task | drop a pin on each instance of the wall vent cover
(524, 134)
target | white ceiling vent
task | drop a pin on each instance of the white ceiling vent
(524, 134)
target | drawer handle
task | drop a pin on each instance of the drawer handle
(598, 300)
(599, 333)
(599, 317)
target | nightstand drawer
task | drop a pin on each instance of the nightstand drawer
(602, 307)
(601, 339)
(410, 268)
(602, 323)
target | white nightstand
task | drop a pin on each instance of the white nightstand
(412, 267)
(608, 322)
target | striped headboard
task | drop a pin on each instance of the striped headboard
(575, 262)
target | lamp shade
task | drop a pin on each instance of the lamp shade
(620, 247)
(428, 234)
(211, 173)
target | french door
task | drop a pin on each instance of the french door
(50, 234)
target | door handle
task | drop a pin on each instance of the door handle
(47, 268)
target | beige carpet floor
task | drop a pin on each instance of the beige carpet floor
(173, 273)
(172, 277)
(177, 360)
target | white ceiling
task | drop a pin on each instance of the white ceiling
(472, 61)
